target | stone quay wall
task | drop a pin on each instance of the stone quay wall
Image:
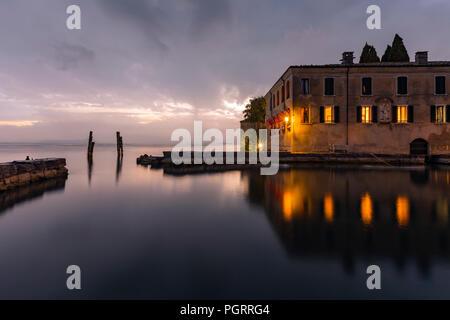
(18, 173)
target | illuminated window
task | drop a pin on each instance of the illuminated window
(402, 211)
(440, 114)
(366, 114)
(366, 86)
(304, 115)
(328, 207)
(328, 115)
(402, 114)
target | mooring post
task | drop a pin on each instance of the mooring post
(90, 145)
(119, 145)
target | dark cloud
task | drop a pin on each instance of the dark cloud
(209, 17)
(69, 56)
(148, 17)
(146, 67)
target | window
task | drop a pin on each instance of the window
(329, 86)
(402, 85)
(305, 86)
(329, 116)
(402, 114)
(366, 86)
(440, 114)
(304, 115)
(278, 97)
(366, 114)
(288, 90)
(440, 85)
(282, 94)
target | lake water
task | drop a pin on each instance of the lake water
(305, 233)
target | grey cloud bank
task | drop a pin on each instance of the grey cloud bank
(148, 67)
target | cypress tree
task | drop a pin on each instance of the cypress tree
(387, 54)
(398, 52)
(369, 55)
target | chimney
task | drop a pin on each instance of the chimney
(422, 57)
(347, 57)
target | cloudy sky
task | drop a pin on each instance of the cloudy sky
(147, 67)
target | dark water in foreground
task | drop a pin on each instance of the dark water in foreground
(304, 233)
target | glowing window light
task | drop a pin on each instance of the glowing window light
(329, 115)
(402, 114)
(366, 114)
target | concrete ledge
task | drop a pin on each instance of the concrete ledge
(326, 158)
(19, 173)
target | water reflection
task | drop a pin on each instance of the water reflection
(119, 167)
(366, 209)
(10, 198)
(90, 167)
(356, 214)
(402, 211)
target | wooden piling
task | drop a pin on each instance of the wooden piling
(90, 145)
(119, 145)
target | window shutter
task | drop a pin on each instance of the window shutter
(322, 116)
(433, 113)
(410, 113)
(394, 114)
(336, 114)
(447, 113)
(374, 114)
(358, 114)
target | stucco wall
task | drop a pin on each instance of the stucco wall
(388, 138)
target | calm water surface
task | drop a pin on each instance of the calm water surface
(304, 233)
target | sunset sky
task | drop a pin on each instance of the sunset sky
(148, 67)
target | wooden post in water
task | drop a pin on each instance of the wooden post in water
(119, 145)
(90, 145)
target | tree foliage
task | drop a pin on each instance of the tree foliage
(255, 110)
(387, 53)
(369, 54)
(397, 52)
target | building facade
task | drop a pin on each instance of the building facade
(380, 108)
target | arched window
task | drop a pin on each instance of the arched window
(288, 90)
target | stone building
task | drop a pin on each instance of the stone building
(381, 108)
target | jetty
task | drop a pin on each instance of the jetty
(18, 173)
(288, 158)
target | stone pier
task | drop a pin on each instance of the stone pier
(18, 173)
